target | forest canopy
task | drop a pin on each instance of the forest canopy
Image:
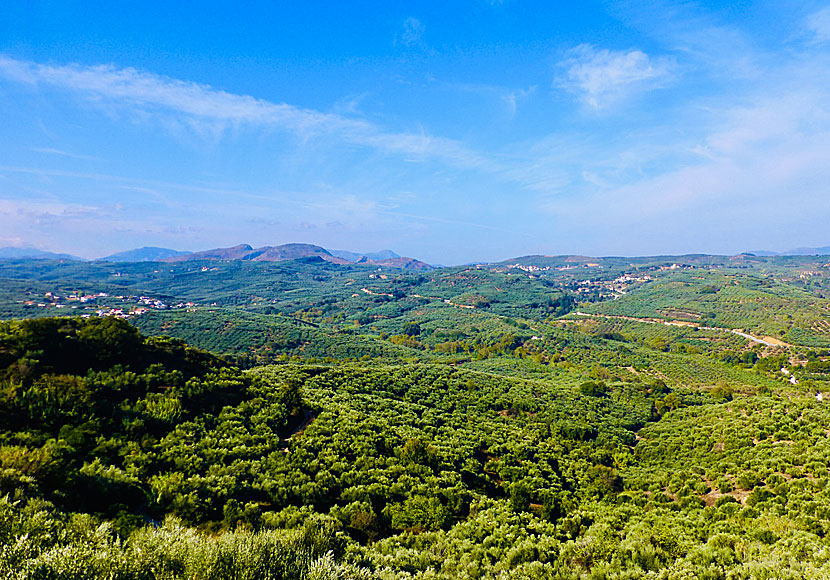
(458, 424)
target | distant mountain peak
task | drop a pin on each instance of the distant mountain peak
(145, 254)
(301, 251)
(355, 256)
(821, 251)
(237, 252)
(292, 251)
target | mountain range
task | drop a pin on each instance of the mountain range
(300, 251)
(386, 258)
(11, 253)
(821, 251)
(145, 254)
(296, 251)
(263, 254)
(355, 256)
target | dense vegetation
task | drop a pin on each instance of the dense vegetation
(463, 423)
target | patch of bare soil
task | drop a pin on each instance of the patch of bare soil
(775, 341)
(714, 495)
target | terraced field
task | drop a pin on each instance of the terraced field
(758, 306)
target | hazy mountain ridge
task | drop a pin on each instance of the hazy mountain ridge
(801, 251)
(356, 256)
(145, 254)
(280, 253)
(389, 258)
(263, 254)
(300, 251)
(13, 253)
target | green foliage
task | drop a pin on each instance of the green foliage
(463, 423)
(418, 512)
(38, 543)
(593, 388)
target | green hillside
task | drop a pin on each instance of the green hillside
(362, 470)
(476, 422)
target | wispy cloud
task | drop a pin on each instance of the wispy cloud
(412, 33)
(739, 137)
(757, 175)
(737, 161)
(41, 222)
(709, 46)
(65, 226)
(151, 94)
(509, 97)
(103, 177)
(601, 77)
(819, 24)
(512, 98)
(60, 153)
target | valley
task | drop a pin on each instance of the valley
(374, 422)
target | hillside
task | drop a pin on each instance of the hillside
(396, 262)
(374, 463)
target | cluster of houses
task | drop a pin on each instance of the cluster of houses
(138, 304)
(530, 268)
(616, 287)
(610, 288)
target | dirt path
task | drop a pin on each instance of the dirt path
(766, 340)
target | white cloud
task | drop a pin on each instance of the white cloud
(61, 153)
(150, 94)
(508, 97)
(602, 77)
(41, 223)
(512, 98)
(819, 24)
(757, 179)
(413, 32)
(710, 46)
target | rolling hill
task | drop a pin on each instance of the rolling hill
(12, 253)
(145, 254)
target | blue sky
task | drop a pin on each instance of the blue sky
(451, 132)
